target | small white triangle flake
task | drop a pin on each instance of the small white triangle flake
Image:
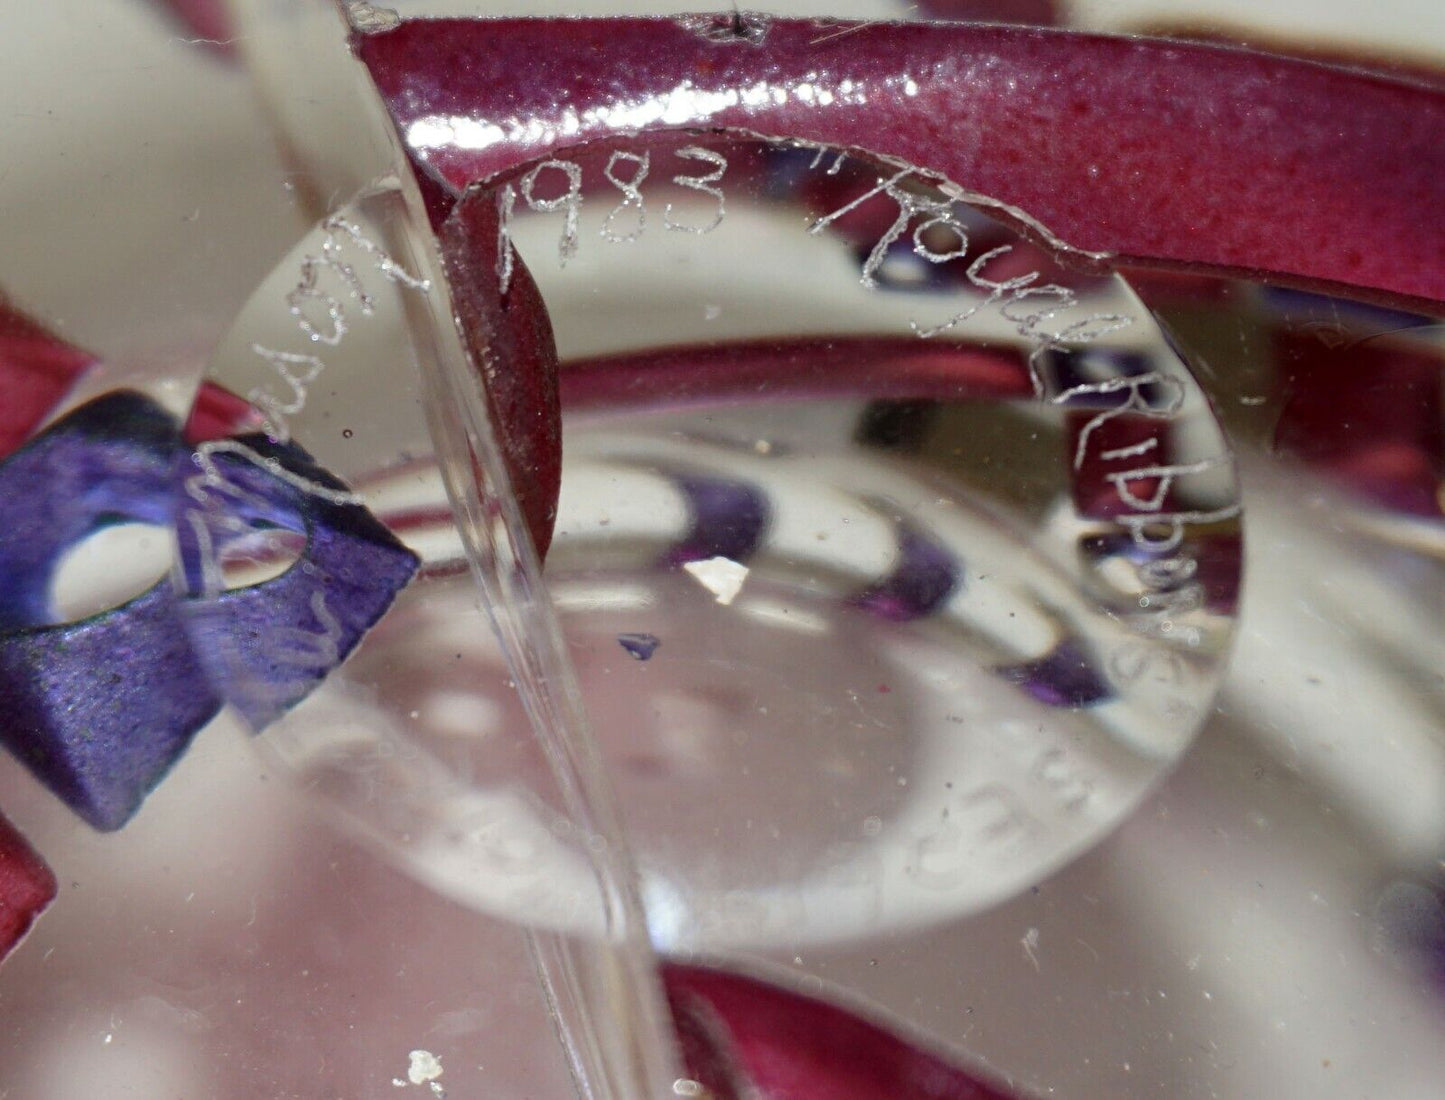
(723, 577)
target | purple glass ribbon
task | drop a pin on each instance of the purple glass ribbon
(97, 709)
(1065, 676)
(727, 519)
(924, 575)
(267, 646)
(100, 709)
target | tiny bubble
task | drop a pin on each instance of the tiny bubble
(347, 433)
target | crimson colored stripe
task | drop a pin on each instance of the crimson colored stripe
(1155, 151)
(27, 886)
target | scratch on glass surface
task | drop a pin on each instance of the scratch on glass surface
(735, 27)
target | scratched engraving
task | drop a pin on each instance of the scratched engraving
(311, 651)
(214, 498)
(1162, 476)
(631, 194)
(1134, 401)
(726, 28)
(1116, 420)
(1018, 299)
(569, 202)
(633, 203)
(927, 220)
(1046, 317)
(705, 183)
(307, 651)
(299, 371)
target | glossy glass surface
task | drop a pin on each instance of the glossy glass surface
(1266, 921)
